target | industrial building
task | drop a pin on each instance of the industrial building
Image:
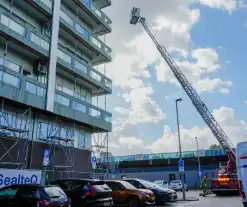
(49, 54)
(164, 166)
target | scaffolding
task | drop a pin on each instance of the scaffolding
(15, 138)
(60, 139)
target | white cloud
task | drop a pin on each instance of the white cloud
(142, 109)
(228, 5)
(245, 102)
(235, 129)
(197, 72)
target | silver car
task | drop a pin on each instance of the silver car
(177, 185)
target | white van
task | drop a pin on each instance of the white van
(241, 159)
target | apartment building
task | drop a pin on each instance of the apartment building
(49, 52)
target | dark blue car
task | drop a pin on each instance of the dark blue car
(161, 195)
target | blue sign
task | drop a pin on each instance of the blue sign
(181, 165)
(46, 153)
(46, 157)
(94, 160)
(113, 172)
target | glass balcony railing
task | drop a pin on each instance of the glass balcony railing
(69, 59)
(82, 106)
(100, 14)
(34, 89)
(48, 3)
(40, 42)
(10, 79)
(6, 21)
(85, 33)
(24, 32)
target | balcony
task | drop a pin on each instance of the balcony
(12, 28)
(102, 3)
(97, 82)
(93, 47)
(81, 111)
(39, 8)
(91, 14)
(21, 89)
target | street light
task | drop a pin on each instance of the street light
(179, 142)
(199, 164)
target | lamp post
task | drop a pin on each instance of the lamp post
(199, 164)
(179, 142)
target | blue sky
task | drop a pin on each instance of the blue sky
(215, 28)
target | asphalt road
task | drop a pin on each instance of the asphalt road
(208, 201)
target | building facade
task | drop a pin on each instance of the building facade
(164, 166)
(49, 50)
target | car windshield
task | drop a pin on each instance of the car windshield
(176, 181)
(148, 184)
(55, 192)
(128, 185)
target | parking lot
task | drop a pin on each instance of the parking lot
(209, 201)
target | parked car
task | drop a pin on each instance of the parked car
(30, 195)
(177, 185)
(161, 195)
(86, 192)
(125, 193)
(162, 183)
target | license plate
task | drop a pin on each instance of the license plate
(152, 199)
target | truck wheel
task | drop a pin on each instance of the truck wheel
(134, 203)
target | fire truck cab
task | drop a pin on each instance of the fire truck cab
(241, 161)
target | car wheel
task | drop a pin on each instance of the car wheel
(134, 203)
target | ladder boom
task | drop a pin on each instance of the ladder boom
(191, 92)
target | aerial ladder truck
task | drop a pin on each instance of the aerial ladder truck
(226, 180)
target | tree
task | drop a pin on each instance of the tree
(215, 146)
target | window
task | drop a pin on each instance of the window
(42, 132)
(8, 191)
(10, 65)
(81, 140)
(61, 100)
(64, 56)
(66, 18)
(40, 42)
(80, 66)
(12, 25)
(88, 140)
(79, 107)
(82, 31)
(10, 79)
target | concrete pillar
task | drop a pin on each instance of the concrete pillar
(53, 57)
